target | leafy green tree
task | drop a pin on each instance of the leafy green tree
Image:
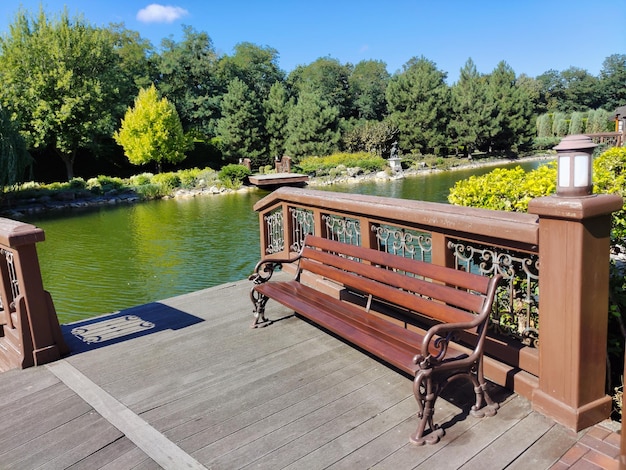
(241, 127)
(151, 131)
(328, 78)
(188, 78)
(581, 91)
(471, 121)
(60, 80)
(277, 107)
(418, 100)
(552, 90)
(368, 84)
(14, 158)
(256, 66)
(613, 81)
(512, 111)
(312, 128)
(376, 137)
(137, 58)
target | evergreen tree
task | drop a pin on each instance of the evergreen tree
(151, 131)
(312, 128)
(418, 100)
(576, 124)
(512, 111)
(544, 125)
(599, 120)
(368, 83)
(560, 124)
(472, 122)
(277, 107)
(241, 127)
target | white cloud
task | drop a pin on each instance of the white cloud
(155, 13)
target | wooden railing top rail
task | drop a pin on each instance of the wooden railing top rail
(512, 226)
(14, 233)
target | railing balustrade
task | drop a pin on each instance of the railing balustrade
(521, 355)
(30, 333)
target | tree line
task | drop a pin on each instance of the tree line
(66, 87)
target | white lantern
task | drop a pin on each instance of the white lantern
(574, 166)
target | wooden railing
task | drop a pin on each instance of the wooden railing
(487, 242)
(612, 139)
(29, 329)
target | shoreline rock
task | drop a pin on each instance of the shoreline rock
(71, 201)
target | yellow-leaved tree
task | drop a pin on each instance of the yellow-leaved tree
(151, 131)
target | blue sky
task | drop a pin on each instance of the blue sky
(532, 36)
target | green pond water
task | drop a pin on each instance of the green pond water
(103, 260)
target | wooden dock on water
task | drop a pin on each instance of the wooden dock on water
(185, 383)
(272, 180)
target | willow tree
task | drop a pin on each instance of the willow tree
(14, 158)
(151, 131)
(60, 80)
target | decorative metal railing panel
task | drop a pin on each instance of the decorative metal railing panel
(517, 303)
(404, 242)
(342, 228)
(274, 223)
(302, 224)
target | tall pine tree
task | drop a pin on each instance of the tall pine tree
(312, 128)
(471, 122)
(241, 128)
(418, 101)
(277, 108)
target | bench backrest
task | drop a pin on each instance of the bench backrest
(443, 294)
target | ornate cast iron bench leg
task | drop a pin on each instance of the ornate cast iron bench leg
(484, 406)
(426, 393)
(259, 301)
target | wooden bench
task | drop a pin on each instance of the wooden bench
(453, 300)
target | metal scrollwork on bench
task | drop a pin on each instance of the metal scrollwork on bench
(517, 302)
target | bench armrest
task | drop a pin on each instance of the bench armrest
(265, 268)
(438, 337)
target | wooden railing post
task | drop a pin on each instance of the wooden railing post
(573, 314)
(33, 336)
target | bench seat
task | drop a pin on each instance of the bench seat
(453, 300)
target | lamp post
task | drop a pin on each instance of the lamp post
(574, 166)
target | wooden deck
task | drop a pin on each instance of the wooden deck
(278, 179)
(185, 383)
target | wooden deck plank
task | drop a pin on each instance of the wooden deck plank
(283, 429)
(288, 395)
(37, 422)
(547, 450)
(507, 448)
(487, 430)
(119, 453)
(262, 398)
(162, 450)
